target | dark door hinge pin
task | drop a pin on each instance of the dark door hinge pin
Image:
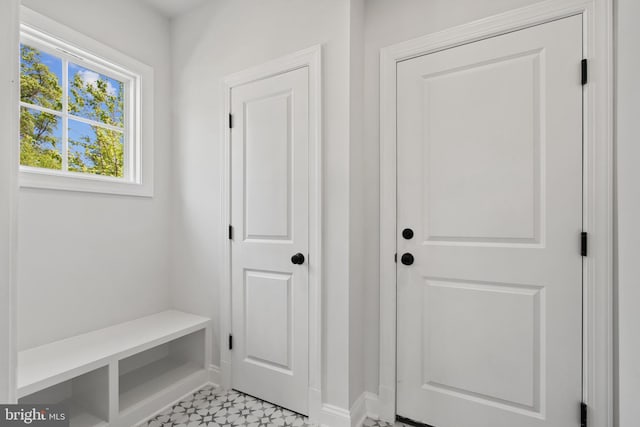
(583, 243)
(583, 414)
(585, 71)
(230, 342)
(410, 422)
(230, 121)
(230, 232)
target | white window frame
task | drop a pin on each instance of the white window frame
(51, 37)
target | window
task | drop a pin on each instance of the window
(81, 113)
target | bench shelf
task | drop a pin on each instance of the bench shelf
(119, 375)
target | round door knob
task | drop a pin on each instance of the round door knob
(407, 233)
(297, 259)
(407, 259)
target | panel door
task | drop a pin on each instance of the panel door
(270, 216)
(490, 181)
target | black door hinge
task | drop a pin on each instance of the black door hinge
(230, 232)
(230, 342)
(585, 71)
(583, 243)
(395, 257)
(230, 121)
(583, 414)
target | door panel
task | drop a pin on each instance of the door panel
(465, 332)
(274, 291)
(490, 180)
(268, 167)
(499, 156)
(270, 216)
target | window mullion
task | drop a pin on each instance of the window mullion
(40, 108)
(65, 115)
(96, 123)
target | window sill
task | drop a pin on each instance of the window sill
(52, 180)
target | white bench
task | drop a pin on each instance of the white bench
(118, 376)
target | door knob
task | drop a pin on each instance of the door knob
(407, 233)
(407, 259)
(297, 258)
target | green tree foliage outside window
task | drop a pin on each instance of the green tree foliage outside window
(97, 99)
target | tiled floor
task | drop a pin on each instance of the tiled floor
(212, 407)
(375, 423)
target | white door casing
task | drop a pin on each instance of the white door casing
(490, 148)
(597, 16)
(309, 59)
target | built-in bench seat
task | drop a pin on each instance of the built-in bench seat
(119, 375)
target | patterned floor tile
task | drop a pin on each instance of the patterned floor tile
(212, 407)
(377, 423)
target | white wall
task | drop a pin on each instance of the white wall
(86, 261)
(386, 23)
(8, 193)
(221, 38)
(147, 269)
(628, 210)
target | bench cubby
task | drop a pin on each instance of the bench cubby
(152, 371)
(120, 375)
(86, 396)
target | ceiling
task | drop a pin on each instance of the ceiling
(172, 8)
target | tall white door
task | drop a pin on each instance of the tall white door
(490, 182)
(270, 218)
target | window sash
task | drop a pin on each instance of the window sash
(68, 54)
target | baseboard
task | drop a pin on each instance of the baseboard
(358, 411)
(325, 414)
(387, 404)
(215, 375)
(372, 404)
(334, 416)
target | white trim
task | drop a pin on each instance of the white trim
(372, 403)
(365, 406)
(333, 416)
(598, 187)
(138, 78)
(358, 411)
(215, 376)
(312, 58)
(13, 133)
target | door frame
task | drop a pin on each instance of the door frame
(597, 187)
(311, 58)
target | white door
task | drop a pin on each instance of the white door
(270, 219)
(490, 182)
